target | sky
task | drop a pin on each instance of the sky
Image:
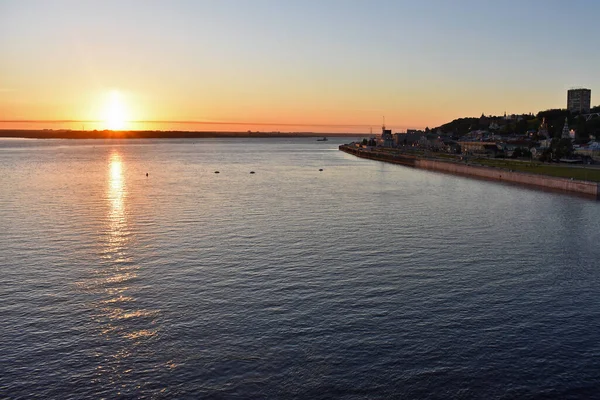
(275, 65)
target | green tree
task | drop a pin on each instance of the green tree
(553, 115)
(562, 148)
(521, 152)
(508, 128)
(521, 127)
(593, 127)
(582, 134)
(546, 155)
(517, 153)
(533, 124)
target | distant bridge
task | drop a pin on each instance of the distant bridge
(590, 116)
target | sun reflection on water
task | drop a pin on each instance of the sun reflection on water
(117, 192)
(117, 276)
(123, 322)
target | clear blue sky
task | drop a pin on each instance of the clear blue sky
(322, 62)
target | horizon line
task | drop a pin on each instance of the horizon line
(177, 122)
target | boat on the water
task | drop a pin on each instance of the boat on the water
(322, 140)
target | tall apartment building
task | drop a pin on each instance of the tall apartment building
(579, 100)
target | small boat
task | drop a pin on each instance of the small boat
(322, 140)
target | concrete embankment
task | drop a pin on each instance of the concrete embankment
(404, 159)
(591, 189)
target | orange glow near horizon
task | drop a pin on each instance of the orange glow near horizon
(128, 107)
(139, 108)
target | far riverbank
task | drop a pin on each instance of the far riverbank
(81, 134)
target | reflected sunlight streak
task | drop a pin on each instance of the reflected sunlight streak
(116, 196)
(121, 322)
(120, 307)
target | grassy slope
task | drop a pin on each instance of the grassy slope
(561, 171)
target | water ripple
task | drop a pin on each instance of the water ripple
(365, 280)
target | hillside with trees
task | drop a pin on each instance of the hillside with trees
(523, 123)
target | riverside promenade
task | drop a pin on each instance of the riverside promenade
(538, 181)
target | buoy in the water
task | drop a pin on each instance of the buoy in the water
(320, 169)
(216, 172)
(146, 174)
(251, 172)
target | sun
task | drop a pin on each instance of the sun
(115, 113)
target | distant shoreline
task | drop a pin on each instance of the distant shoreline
(74, 134)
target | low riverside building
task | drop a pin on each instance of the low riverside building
(545, 143)
(477, 135)
(489, 148)
(510, 146)
(431, 141)
(591, 149)
(387, 139)
(451, 146)
(410, 138)
(494, 126)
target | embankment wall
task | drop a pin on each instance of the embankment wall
(403, 159)
(591, 189)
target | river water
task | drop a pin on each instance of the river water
(364, 280)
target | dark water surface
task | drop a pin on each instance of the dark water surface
(365, 280)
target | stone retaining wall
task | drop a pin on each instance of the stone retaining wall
(586, 188)
(544, 181)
